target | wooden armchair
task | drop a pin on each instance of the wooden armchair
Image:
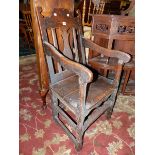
(73, 85)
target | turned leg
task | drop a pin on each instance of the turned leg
(43, 94)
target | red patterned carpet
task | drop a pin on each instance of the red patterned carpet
(39, 135)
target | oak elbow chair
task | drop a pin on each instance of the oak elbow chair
(73, 85)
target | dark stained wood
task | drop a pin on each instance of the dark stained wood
(114, 32)
(86, 94)
(47, 7)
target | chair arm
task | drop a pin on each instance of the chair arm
(102, 64)
(84, 73)
(107, 52)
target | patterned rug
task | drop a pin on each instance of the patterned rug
(39, 135)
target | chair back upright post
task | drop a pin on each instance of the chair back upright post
(47, 6)
(62, 33)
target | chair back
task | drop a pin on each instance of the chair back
(62, 30)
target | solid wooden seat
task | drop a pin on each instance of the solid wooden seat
(68, 90)
(73, 84)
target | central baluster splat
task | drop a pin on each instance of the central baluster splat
(61, 29)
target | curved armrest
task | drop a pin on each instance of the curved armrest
(84, 73)
(107, 52)
(103, 64)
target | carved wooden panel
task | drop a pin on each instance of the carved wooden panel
(126, 29)
(61, 24)
(112, 31)
(102, 27)
(113, 25)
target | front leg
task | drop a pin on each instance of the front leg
(112, 101)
